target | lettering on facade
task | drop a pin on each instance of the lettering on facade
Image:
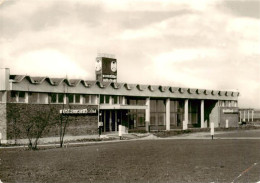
(230, 111)
(79, 111)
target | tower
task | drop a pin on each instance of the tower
(106, 68)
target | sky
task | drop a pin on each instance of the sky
(209, 44)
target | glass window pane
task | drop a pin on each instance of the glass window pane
(141, 119)
(33, 98)
(115, 99)
(86, 99)
(173, 119)
(77, 98)
(53, 97)
(153, 119)
(60, 97)
(101, 100)
(160, 106)
(107, 99)
(141, 102)
(173, 106)
(13, 96)
(161, 119)
(132, 102)
(21, 96)
(71, 98)
(43, 98)
(93, 99)
(153, 105)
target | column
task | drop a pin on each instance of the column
(110, 100)
(244, 119)
(123, 100)
(168, 116)
(110, 120)
(147, 114)
(240, 116)
(115, 120)
(202, 123)
(186, 114)
(252, 115)
(248, 117)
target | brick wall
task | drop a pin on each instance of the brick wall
(231, 117)
(3, 121)
(18, 115)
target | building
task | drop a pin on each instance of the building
(135, 106)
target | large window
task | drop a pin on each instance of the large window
(135, 100)
(74, 98)
(136, 118)
(158, 109)
(104, 99)
(17, 96)
(89, 99)
(55, 98)
(194, 112)
(177, 112)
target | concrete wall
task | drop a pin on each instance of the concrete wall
(18, 116)
(3, 127)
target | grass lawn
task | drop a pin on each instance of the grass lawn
(136, 161)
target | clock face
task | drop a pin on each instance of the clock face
(98, 64)
(113, 66)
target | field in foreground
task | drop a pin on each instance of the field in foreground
(137, 161)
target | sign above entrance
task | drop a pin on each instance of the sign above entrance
(79, 111)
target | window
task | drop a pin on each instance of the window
(71, 98)
(107, 99)
(194, 106)
(33, 98)
(14, 95)
(53, 98)
(93, 99)
(86, 99)
(60, 98)
(115, 99)
(43, 98)
(1, 96)
(102, 99)
(177, 112)
(17, 96)
(77, 98)
(158, 110)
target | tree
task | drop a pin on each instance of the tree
(36, 125)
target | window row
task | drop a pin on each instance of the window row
(54, 98)
(227, 103)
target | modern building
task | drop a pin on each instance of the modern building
(135, 106)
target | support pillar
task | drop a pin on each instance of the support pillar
(252, 115)
(244, 118)
(147, 114)
(115, 120)
(123, 100)
(110, 121)
(240, 116)
(202, 123)
(168, 116)
(248, 117)
(186, 114)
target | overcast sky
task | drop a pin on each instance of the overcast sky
(201, 44)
